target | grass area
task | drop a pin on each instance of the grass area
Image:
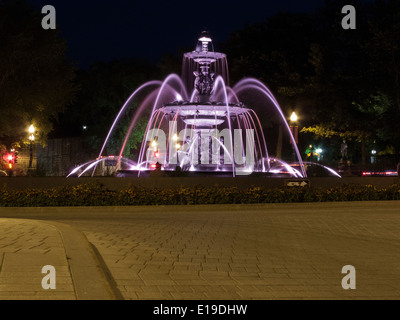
(98, 195)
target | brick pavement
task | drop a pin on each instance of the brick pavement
(26, 246)
(251, 252)
(293, 251)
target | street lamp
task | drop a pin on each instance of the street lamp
(294, 117)
(31, 139)
(373, 157)
(319, 154)
(294, 128)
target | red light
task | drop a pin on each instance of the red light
(10, 157)
(154, 166)
(156, 154)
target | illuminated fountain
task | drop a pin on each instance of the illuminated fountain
(210, 131)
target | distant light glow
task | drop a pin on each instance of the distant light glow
(32, 129)
(319, 151)
(275, 171)
(380, 173)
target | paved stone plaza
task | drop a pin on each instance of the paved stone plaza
(286, 251)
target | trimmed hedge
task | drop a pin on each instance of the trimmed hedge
(97, 195)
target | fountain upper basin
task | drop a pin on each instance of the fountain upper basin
(204, 114)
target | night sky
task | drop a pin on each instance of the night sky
(107, 30)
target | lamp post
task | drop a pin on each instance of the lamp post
(31, 139)
(294, 128)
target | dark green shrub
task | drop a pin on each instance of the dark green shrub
(98, 195)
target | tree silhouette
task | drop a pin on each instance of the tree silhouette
(35, 75)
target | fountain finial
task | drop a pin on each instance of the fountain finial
(205, 34)
(205, 42)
